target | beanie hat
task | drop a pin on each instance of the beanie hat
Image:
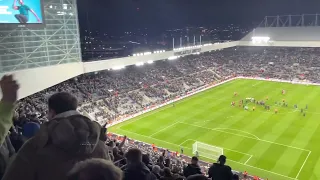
(30, 129)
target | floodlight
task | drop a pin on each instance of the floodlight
(139, 64)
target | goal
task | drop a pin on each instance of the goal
(206, 150)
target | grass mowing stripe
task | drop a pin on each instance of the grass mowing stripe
(196, 116)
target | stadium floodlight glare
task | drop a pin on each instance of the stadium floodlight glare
(206, 150)
(117, 67)
(173, 57)
(147, 53)
(150, 62)
(139, 64)
(259, 39)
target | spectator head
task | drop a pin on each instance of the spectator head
(146, 159)
(61, 102)
(29, 129)
(235, 177)
(197, 177)
(222, 159)
(111, 144)
(175, 169)
(167, 172)
(156, 169)
(194, 160)
(134, 156)
(95, 169)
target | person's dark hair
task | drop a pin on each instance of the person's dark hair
(197, 177)
(134, 155)
(146, 159)
(62, 102)
(167, 172)
(194, 160)
(235, 177)
(95, 169)
(222, 159)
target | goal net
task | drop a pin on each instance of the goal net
(206, 150)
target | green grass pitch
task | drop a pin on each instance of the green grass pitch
(279, 146)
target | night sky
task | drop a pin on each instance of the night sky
(123, 15)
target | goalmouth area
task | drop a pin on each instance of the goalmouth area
(281, 146)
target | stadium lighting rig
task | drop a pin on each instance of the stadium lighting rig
(148, 53)
(173, 57)
(260, 39)
(139, 64)
(157, 52)
(186, 48)
(118, 67)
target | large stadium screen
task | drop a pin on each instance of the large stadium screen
(21, 13)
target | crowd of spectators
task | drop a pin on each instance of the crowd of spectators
(107, 96)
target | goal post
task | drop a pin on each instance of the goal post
(206, 150)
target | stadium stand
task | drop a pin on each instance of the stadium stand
(109, 96)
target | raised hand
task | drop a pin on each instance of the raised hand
(9, 89)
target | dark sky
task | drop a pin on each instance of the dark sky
(123, 15)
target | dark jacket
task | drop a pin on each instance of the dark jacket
(137, 171)
(167, 178)
(191, 169)
(6, 151)
(220, 172)
(157, 176)
(59, 144)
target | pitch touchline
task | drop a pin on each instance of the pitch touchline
(209, 158)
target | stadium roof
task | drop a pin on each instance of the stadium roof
(288, 28)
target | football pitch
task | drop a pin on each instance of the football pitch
(278, 146)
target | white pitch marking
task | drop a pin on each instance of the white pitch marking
(221, 147)
(210, 158)
(167, 127)
(248, 160)
(262, 140)
(303, 164)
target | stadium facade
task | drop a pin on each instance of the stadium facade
(41, 58)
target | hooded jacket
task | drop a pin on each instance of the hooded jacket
(191, 169)
(137, 171)
(220, 172)
(59, 144)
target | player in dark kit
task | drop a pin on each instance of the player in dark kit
(23, 16)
